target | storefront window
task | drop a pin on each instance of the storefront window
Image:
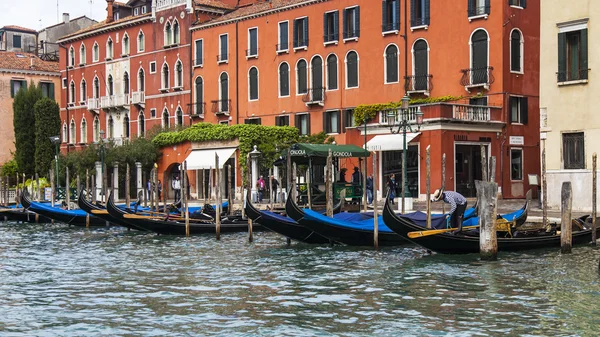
(392, 165)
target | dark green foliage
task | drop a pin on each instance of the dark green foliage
(317, 138)
(23, 122)
(10, 168)
(47, 124)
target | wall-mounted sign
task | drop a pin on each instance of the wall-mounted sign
(517, 140)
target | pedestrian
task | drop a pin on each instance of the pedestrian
(274, 186)
(458, 205)
(357, 182)
(159, 190)
(260, 184)
(342, 178)
(391, 185)
(149, 188)
(370, 189)
(176, 185)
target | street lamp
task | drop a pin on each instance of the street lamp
(56, 141)
(401, 119)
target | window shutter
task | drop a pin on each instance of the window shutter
(562, 57)
(306, 32)
(510, 109)
(427, 2)
(24, 85)
(584, 55)
(326, 122)
(51, 91)
(339, 121)
(524, 110)
(336, 25)
(384, 22)
(357, 18)
(325, 32)
(524, 3)
(308, 124)
(413, 13)
(295, 36)
(487, 7)
(345, 22)
(12, 88)
(297, 121)
(343, 119)
(397, 8)
(471, 7)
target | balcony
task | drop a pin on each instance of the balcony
(197, 109)
(472, 113)
(138, 97)
(572, 77)
(477, 78)
(93, 104)
(411, 116)
(221, 107)
(454, 113)
(107, 101)
(122, 100)
(315, 96)
(418, 84)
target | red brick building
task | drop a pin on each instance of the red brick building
(309, 63)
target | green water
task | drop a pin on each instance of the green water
(60, 281)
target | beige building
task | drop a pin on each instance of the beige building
(17, 70)
(570, 96)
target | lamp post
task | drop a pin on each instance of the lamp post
(56, 141)
(254, 155)
(401, 120)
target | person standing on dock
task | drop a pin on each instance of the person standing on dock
(176, 185)
(458, 205)
(370, 189)
(261, 188)
(275, 185)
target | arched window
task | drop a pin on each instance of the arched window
(65, 133)
(253, 84)
(111, 127)
(421, 65)
(110, 86)
(165, 76)
(125, 44)
(224, 92)
(179, 117)
(332, 72)
(284, 79)
(301, 77)
(82, 54)
(141, 80)
(178, 74)
(72, 132)
(96, 129)
(126, 83)
(175, 32)
(168, 34)
(126, 126)
(83, 90)
(352, 70)
(83, 131)
(316, 75)
(71, 56)
(140, 42)
(109, 49)
(199, 90)
(96, 92)
(141, 125)
(95, 52)
(516, 51)
(479, 57)
(391, 64)
(165, 119)
(72, 92)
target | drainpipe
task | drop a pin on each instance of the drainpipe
(405, 43)
(192, 84)
(237, 73)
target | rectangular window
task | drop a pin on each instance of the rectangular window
(390, 16)
(573, 55)
(136, 11)
(152, 67)
(282, 120)
(144, 10)
(255, 121)
(349, 120)
(419, 13)
(283, 44)
(301, 32)
(223, 48)
(252, 42)
(16, 85)
(199, 53)
(478, 101)
(573, 150)
(64, 83)
(351, 22)
(518, 110)
(331, 121)
(518, 3)
(16, 41)
(478, 8)
(152, 113)
(331, 22)
(47, 89)
(303, 124)
(516, 164)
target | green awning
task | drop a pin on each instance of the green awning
(322, 150)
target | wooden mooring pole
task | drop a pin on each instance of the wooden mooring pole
(218, 195)
(566, 199)
(68, 189)
(187, 197)
(127, 187)
(289, 184)
(544, 189)
(249, 195)
(231, 191)
(484, 166)
(443, 179)
(329, 185)
(492, 169)
(428, 186)
(375, 220)
(487, 198)
(594, 196)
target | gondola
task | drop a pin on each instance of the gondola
(101, 212)
(286, 226)
(75, 217)
(463, 243)
(169, 227)
(20, 214)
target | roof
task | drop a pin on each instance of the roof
(104, 24)
(121, 4)
(71, 20)
(214, 4)
(23, 61)
(19, 28)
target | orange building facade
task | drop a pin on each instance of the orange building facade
(309, 63)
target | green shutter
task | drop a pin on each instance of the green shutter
(384, 23)
(12, 88)
(51, 91)
(325, 34)
(306, 31)
(510, 109)
(524, 3)
(562, 57)
(24, 85)
(357, 18)
(345, 23)
(325, 122)
(397, 23)
(487, 7)
(524, 110)
(584, 55)
(413, 13)
(336, 25)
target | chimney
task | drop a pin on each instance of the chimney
(66, 18)
(154, 10)
(109, 10)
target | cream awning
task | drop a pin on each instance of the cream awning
(205, 159)
(391, 142)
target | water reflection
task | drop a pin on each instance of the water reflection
(60, 281)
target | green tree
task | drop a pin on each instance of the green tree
(23, 109)
(47, 124)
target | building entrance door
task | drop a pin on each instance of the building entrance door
(468, 168)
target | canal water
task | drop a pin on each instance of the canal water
(60, 281)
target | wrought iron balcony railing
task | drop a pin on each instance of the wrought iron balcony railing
(478, 10)
(567, 76)
(390, 26)
(474, 77)
(197, 109)
(330, 37)
(418, 83)
(349, 34)
(221, 106)
(314, 96)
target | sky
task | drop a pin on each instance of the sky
(37, 14)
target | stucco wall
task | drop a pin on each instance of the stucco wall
(27, 40)
(581, 183)
(52, 34)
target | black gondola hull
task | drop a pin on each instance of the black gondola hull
(74, 220)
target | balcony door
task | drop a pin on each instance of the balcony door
(479, 57)
(317, 78)
(468, 168)
(421, 65)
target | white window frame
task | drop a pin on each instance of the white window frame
(72, 93)
(520, 149)
(144, 10)
(82, 52)
(125, 45)
(518, 122)
(286, 50)
(150, 65)
(143, 39)
(95, 52)
(94, 88)
(72, 132)
(297, 77)
(248, 55)
(471, 48)
(136, 11)
(279, 80)
(164, 86)
(385, 79)
(162, 117)
(357, 69)
(299, 130)
(175, 39)
(153, 112)
(196, 64)
(257, 84)
(139, 130)
(194, 100)
(521, 51)
(139, 82)
(339, 124)
(65, 132)
(64, 83)
(82, 98)
(71, 59)
(220, 49)
(176, 84)
(167, 34)
(228, 91)
(337, 71)
(110, 46)
(83, 132)
(353, 38)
